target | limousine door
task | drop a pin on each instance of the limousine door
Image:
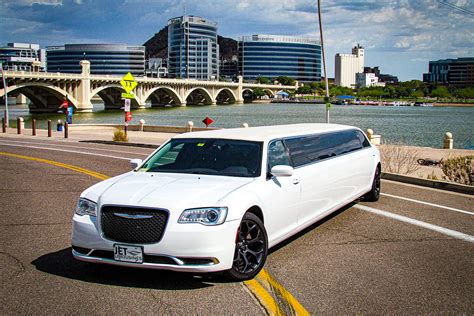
(283, 194)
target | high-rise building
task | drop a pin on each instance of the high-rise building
(113, 59)
(273, 56)
(347, 65)
(20, 56)
(193, 52)
(458, 72)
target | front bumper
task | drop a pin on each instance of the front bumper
(183, 247)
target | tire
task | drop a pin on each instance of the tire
(251, 249)
(374, 194)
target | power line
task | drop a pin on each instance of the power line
(456, 7)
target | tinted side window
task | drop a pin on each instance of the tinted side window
(365, 142)
(308, 149)
(277, 154)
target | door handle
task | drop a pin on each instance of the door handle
(296, 181)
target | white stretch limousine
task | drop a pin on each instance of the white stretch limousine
(217, 200)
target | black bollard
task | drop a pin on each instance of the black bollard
(66, 130)
(33, 127)
(50, 129)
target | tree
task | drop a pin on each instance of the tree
(440, 92)
(286, 81)
(417, 94)
(466, 93)
(262, 80)
(258, 93)
(304, 90)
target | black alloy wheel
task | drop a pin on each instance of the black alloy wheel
(251, 249)
(374, 194)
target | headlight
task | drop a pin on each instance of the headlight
(86, 207)
(205, 216)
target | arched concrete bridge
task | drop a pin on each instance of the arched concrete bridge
(47, 91)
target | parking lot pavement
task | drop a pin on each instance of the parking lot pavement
(356, 261)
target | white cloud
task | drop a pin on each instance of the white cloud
(41, 2)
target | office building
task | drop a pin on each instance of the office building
(22, 57)
(156, 68)
(347, 65)
(105, 59)
(457, 72)
(364, 80)
(229, 68)
(387, 78)
(193, 52)
(273, 56)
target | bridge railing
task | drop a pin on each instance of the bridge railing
(158, 81)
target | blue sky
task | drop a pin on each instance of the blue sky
(399, 36)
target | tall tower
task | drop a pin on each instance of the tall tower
(193, 52)
(358, 51)
(347, 65)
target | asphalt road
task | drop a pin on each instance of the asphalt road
(356, 261)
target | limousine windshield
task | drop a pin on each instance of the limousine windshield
(221, 157)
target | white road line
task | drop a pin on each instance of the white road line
(64, 150)
(427, 203)
(439, 229)
(79, 147)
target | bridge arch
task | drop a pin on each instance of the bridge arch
(163, 95)
(111, 94)
(199, 95)
(44, 97)
(225, 95)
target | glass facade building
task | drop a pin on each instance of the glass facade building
(105, 59)
(458, 72)
(20, 56)
(273, 56)
(193, 52)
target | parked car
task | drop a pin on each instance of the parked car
(218, 200)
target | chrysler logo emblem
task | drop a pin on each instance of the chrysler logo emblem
(132, 216)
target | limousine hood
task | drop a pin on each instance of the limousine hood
(166, 190)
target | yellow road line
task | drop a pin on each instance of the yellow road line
(296, 306)
(60, 164)
(265, 298)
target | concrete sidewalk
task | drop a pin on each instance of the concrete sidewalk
(92, 133)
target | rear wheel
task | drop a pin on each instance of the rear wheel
(374, 194)
(251, 249)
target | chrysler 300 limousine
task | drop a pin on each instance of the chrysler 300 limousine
(218, 200)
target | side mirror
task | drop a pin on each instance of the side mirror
(282, 171)
(135, 163)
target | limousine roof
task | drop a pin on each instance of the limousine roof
(266, 133)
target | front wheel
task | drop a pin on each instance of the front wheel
(374, 194)
(251, 249)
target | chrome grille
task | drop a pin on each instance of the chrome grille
(133, 225)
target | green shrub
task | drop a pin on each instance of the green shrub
(120, 136)
(458, 169)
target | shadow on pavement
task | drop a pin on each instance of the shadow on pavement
(62, 263)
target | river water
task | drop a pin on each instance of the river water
(416, 126)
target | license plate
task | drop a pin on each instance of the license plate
(128, 253)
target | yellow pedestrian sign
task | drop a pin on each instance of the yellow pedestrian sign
(128, 82)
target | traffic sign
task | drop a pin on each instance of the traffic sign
(208, 121)
(127, 105)
(128, 95)
(128, 116)
(128, 82)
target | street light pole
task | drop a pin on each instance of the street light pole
(326, 99)
(5, 95)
